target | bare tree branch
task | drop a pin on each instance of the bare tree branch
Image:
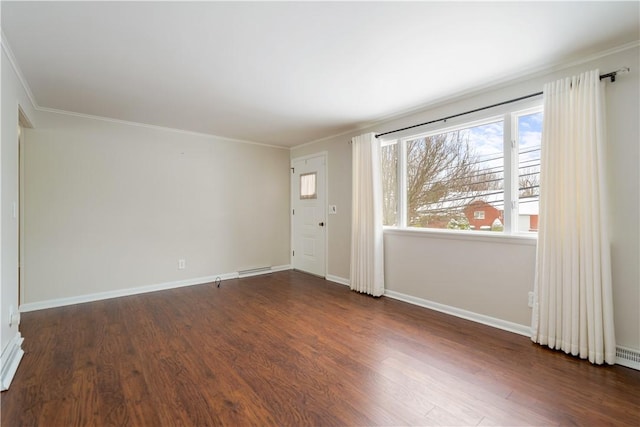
(443, 175)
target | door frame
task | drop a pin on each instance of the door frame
(23, 123)
(293, 192)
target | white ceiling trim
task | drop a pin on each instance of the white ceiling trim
(498, 83)
(155, 127)
(14, 64)
(492, 86)
(287, 74)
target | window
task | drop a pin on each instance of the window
(481, 175)
(389, 171)
(308, 186)
(529, 133)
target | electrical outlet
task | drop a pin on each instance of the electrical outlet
(530, 299)
(182, 264)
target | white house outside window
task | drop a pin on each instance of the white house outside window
(477, 176)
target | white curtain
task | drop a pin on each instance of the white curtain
(573, 307)
(367, 269)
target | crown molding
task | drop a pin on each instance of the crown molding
(504, 81)
(23, 81)
(493, 85)
(14, 64)
(155, 127)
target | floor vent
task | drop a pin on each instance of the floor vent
(627, 357)
(254, 272)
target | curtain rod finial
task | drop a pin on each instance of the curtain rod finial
(623, 70)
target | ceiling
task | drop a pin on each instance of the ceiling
(286, 73)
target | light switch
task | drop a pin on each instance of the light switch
(333, 210)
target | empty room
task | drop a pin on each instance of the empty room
(320, 213)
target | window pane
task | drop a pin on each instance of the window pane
(389, 169)
(455, 179)
(308, 186)
(529, 139)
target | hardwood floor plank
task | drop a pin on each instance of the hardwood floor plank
(462, 399)
(441, 417)
(289, 349)
(281, 358)
(171, 367)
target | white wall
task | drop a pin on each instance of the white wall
(13, 98)
(480, 274)
(455, 272)
(112, 206)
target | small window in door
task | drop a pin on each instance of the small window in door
(308, 189)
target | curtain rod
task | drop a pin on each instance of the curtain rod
(611, 76)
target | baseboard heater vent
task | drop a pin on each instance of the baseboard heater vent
(628, 357)
(254, 272)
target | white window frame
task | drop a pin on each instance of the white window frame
(515, 148)
(508, 115)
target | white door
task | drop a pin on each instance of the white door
(308, 215)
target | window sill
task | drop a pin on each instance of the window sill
(474, 236)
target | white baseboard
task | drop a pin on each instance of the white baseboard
(60, 302)
(9, 361)
(281, 268)
(13, 353)
(464, 314)
(339, 280)
(627, 357)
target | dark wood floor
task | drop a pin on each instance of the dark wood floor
(292, 349)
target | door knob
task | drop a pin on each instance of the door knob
(321, 224)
